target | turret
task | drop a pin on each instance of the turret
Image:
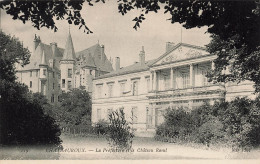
(43, 74)
(43, 67)
(67, 66)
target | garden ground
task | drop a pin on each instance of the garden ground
(84, 148)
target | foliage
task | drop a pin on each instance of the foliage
(44, 13)
(210, 132)
(233, 25)
(101, 127)
(236, 123)
(75, 107)
(48, 109)
(241, 121)
(179, 123)
(22, 120)
(120, 134)
(11, 51)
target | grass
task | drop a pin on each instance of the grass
(93, 147)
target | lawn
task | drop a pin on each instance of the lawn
(90, 148)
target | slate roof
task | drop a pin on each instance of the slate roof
(36, 58)
(93, 59)
(137, 67)
(69, 53)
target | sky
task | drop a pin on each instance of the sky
(112, 30)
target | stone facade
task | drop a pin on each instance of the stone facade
(53, 69)
(144, 90)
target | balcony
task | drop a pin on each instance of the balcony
(191, 91)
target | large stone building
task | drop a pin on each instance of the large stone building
(145, 89)
(53, 69)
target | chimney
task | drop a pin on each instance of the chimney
(102, 53)
(142, 56)
(169, 46)
(117, 63)
(53, 47)
(36, 42)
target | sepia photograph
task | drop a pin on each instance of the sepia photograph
(130, 80)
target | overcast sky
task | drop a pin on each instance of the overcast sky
(114, 31)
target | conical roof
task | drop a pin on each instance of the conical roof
(69, 53)
(43, 61)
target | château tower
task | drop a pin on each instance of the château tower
(68, 66)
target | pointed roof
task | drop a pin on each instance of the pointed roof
(92, 56)
(69, 53)
(89, 61)
(43, 61)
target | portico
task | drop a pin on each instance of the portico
(176, 83)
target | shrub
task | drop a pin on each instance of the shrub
(236, 123)
(23, 121)
(210, 132)
(241, 120)
(120, 134)
(101, 127)
(178, 124)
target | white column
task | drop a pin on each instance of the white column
(151, 81)
(191, 75)
(171, 83)
(155, 81)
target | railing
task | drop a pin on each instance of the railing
(207, 88)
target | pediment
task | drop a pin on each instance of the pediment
(181, 52)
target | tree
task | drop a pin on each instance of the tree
(234, 27)
(75, 107)
(12, 52)
(22, 121)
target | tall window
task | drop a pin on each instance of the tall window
(69, 73)
(98, 114)
(53, 86)
(135, 88)
(44, 72)
(69, 85)
(53, 74)
(205, 79)
(30, 84)
(36, 73)
(185, 80)
(134, 114)
(30, 73)
(148, 84)
(110, 89)
(122, 88)
(52, 98)
(99, 91)
(63, 83)
(166, 82)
